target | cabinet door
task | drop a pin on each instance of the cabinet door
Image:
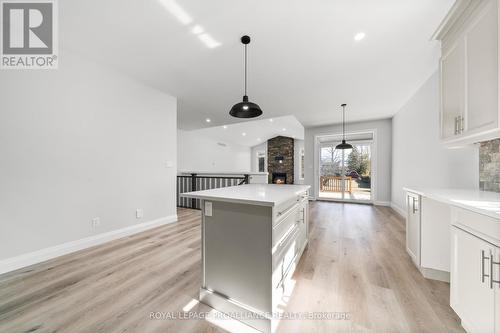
(452, 88)
(413, 227)
(435, 235)
(482, 71)
(303, 226)
(471, 296)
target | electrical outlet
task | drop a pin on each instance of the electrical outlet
(208, 208)
(139, 213)
(96, 222)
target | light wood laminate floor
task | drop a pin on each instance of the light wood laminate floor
(355, 263)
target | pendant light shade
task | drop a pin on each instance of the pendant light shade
(344, 145)
(245, 109)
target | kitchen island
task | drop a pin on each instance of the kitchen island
(252, 239)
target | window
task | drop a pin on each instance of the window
(261, 159)
(302, 164)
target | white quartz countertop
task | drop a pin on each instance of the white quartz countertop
(253, 194)
(482, 202)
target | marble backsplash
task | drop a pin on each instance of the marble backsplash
(489, 166)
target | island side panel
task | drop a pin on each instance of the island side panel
(237, 253)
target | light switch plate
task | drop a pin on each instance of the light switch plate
(208, 208)
(96, 221)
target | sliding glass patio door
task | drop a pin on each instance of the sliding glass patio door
(345, 175)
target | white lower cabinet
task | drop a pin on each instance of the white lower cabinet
(474, 292)
(413, 227)
(428, 236)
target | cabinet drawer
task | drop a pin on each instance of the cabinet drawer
(286, 247)
(285, 223)
(484, 226)
(281, 209)
(282, 290)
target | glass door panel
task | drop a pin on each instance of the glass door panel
(330, 172)
(345, 174)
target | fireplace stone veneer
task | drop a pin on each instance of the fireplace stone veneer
(280, 157)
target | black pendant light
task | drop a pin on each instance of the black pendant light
(245, 109)
(343, 145)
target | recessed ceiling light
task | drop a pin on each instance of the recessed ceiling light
(283, 129)
(271, 120)
(208, 41)
(197, 29)
(224, 127)
(244, 134)
(208, 120)
(359, 36)
(176, 10)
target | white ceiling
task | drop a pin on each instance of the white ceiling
(302, 60)
(252, 133)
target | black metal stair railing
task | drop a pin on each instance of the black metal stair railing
(193, 182)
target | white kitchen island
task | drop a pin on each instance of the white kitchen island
(252, 239)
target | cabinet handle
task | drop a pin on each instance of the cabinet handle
(283, 212)
(462, 124)
(414, 208)
(456, 125)
(483, 274)
(492, 274)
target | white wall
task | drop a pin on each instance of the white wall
(418, 157)
(298, 146)
(383, 145)
(198, 152)
(262, 148)
(76, 143)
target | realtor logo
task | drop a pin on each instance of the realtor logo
(29, 34)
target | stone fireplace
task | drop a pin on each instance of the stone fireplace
(280, 160)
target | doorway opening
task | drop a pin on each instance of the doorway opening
(345, 175)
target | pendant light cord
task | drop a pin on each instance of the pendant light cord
(343, 123)
(245, 69)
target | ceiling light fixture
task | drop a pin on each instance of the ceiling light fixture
(245, 109)
(244, 134)
(359, 36)
(208, 120)
(176, 10)
(224, 127)
(271, 120)
(197, 29)
(343, 145)
(208, 41)
(283, 129)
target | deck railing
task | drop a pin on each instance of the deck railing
(193, 182)
(335, 184)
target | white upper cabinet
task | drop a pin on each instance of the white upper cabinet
(469, 73)
(452, 90)
(482, 73)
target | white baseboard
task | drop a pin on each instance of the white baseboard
(11, 264)
(382, 203)
(398, 209)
